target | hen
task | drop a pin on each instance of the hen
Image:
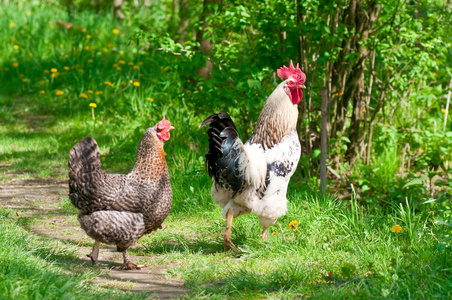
(118, 209)
(253, 177)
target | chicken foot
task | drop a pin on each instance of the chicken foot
(128, 264)
(227, 232)
(264, 234)
(94, 255)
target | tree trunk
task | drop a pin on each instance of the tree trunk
(205, 44)
(184, 16)
(323, 139)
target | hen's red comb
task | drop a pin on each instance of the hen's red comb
(164, 124)
(292, 72)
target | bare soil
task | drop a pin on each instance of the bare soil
(36, 204)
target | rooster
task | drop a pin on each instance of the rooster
(118, 209)
(253, 177)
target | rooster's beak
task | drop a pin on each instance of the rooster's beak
(301, 86)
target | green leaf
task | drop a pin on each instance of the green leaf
(415, 181)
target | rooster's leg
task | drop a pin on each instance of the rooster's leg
(227, 232)
(94, 255)
(128, 264)
(264, 234)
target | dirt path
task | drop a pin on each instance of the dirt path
(36, 202)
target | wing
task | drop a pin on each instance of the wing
(282, 161)
(90, 189)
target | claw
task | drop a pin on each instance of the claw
(94, 255)
(128, 264)
(227, 232)
(264, 234)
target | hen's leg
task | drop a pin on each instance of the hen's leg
(94, 255)
(264, 234)
(227, 232)
(128, 264)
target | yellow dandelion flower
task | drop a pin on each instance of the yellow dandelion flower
(118, 68)
(59, 93)
(396, 228)
(136, 83)
(83, 95)
(55, 75)
(136, 67)
(341, 94)
(93, 105)
(42, 82)
(109, 46)
(66, 68)
(15, 64)
(115, 31)
(103, 158)
(12, 24)
(90, 91)
(294, 225)
(275, 233)
(443, 111)
(150, 99)
(121, 62)
(86, 48)
(83, 30)
(99, 93)
(130, 63)
(42, 92)
(105, 49)
(16, 47)
(88, 36)
(54, 70)
(90, 61)
(109, 83)
(24, 80)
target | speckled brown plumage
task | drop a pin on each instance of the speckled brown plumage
(120, 208)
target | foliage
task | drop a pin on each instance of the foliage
(386, 141)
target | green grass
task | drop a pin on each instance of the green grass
(31, 268)
(339, 249)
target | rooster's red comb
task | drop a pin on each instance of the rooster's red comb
(292, 72)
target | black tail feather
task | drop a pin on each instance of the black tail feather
(221, 160)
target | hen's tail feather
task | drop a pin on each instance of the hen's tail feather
(225, 148)
(84, 163)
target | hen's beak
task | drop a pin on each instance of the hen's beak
(301, 86)
(172, 127)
